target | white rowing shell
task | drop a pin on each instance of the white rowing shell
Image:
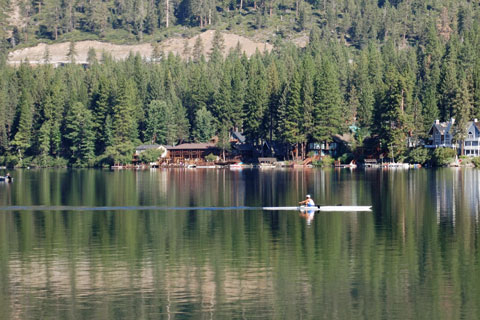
(323, 208)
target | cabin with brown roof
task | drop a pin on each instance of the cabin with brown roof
(191, 152)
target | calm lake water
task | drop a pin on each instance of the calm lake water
(415, 256)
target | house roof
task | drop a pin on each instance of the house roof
(239, 136)
(476, 124)
(193, 146)
(343, 138)
(243, 147)
(441, 127)
(144, 147)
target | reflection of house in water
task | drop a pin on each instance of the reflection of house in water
(471, 191)
(457, 194)
(445, 190)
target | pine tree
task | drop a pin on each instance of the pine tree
(21, 140)
(273, 93)
(238, 93)
(92, 56)
(391, 121)
(3, 117)
(49, 137)
(222, 106)
(124, 114)
(365, 92)
(256, 101)
(72, 52)
(292, 121)
(218, 47)
(224, 140)
(462, 110)
(101, 109)
(327, 103)
(198, 49)
(308, 107)
(448, 81)
(79, 134)
(161, 123)
(204, 128)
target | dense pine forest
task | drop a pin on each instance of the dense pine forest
(388, 68)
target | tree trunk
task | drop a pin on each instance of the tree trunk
(241, 5)
(167, 15)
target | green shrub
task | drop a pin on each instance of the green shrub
(151, 155)
(211, 157)
(443, 156)
(311, 154)
(466, 160)
(346, 158)
(325, 161)
(476, 161)
(419, 155)
(11, 161)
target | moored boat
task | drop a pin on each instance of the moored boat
(6, 179)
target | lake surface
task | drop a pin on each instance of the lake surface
(415, 256)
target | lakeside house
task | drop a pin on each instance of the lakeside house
(192, 152)
(471, 145)
(442, 136)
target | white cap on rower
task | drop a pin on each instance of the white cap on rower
(308, 196)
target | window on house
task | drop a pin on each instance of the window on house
(475, 143)
(468, 143)
(470, 135)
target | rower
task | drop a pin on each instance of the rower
(8, 178)
(308, 201)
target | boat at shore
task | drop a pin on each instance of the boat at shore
(6, 179)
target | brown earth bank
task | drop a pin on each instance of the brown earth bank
(58, 52)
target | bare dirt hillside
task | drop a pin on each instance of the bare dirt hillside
(58, 52)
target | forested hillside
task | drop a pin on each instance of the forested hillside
(388, 67)
(355, 22)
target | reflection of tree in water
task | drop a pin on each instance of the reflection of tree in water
(252, 263)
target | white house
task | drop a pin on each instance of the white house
(471, 145)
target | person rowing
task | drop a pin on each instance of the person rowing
(308, 201)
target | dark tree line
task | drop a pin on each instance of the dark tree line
(389, 91)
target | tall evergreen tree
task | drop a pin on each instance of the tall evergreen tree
(391, 120)
(255, 101)
(22, 139)
(292, 119)
(124, 115)
(327, 103)
(204, 128)
(462, 111)
(79, 135)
